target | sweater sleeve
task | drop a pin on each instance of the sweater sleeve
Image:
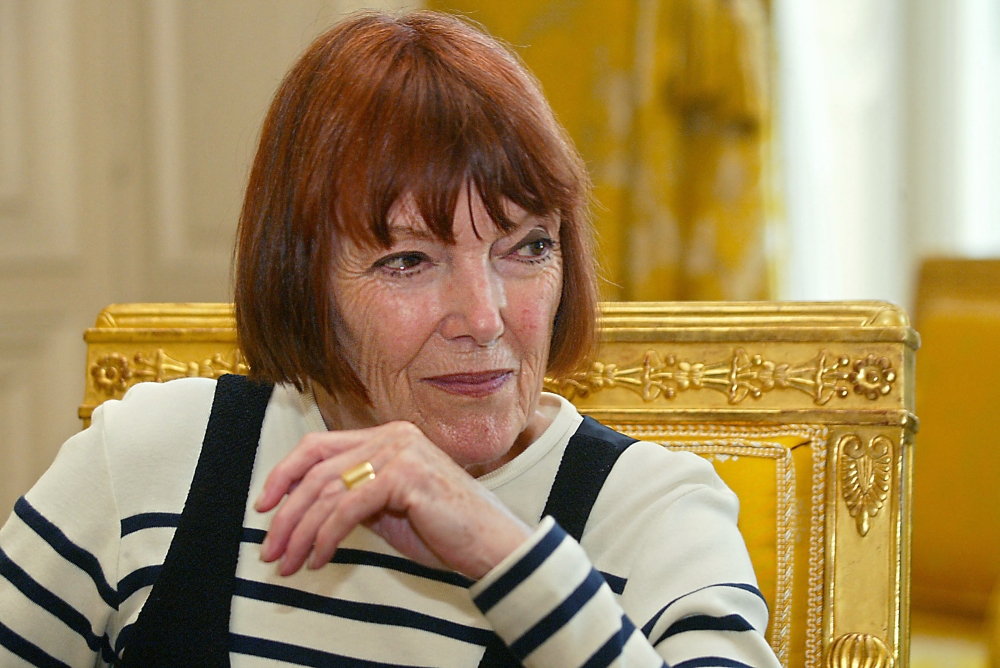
(689, 599)
(691, 588)
(552, 608)
(58, 561)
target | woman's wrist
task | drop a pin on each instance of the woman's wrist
(513, 556)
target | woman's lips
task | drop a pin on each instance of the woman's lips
(477, 384)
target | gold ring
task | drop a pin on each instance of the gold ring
(358, 475)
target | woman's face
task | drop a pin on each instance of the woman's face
(454, 337)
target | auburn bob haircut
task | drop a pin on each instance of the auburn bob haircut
(381, 107)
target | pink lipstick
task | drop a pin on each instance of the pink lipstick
(478, 384)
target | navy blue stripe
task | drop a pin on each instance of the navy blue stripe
(149, 521)
(253, 535)
(137, 579)
(364, 612)
(388, 561)
(342, 556)
(123, 637)
(648, 626)
(713, 661)
(705, 623)
(521, 570)
(612, 649)
(556, 619)
(378, 560)
(302, 656)
(67, 549)
(28, 651)
(107, 653)
(51, 603)
(615, 582)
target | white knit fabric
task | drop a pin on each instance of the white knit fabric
(661, 574)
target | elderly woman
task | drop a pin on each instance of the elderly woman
(392, 487)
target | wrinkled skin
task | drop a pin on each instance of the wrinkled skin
(450, 341)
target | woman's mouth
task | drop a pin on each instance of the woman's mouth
(473, 384)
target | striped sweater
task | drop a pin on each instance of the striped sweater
(661, 575)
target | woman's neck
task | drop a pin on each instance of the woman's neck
(342, 412)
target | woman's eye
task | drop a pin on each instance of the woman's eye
(534, 248)
(401, 262)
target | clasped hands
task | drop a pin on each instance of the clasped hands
(420, 502)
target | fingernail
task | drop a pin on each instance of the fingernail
(265, 548)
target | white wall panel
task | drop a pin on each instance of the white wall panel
(39, 116)
(126, 131)
(25, 346)
(213, 69)
(19, 468)
(11, 140)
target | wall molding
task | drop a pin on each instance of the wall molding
(12, 176)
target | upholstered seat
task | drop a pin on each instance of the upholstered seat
(956, 520)
(804, 409)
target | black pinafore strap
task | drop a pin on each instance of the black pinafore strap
(588, 459)
(185, 620)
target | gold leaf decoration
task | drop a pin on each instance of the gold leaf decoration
(872, 376)
(743, 375)
(865, 472)
(859, 650)
(114, 373)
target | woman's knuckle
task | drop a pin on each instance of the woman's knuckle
(314, 445)
(326, 532)
(329, 491)
(405, 429)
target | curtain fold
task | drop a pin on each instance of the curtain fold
(668, 101)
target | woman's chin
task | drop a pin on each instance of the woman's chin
(475, 441)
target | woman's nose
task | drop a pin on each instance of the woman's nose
(476, 301)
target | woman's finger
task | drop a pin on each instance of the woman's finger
(303, 535)
(311, 450)
(290, 512)
(322, 478)
(333, 514)
(352, 507)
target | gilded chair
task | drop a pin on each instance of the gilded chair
(956, 516)
(806, 410)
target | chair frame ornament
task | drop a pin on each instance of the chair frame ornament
(720, 379)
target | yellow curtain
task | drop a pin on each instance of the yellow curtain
(668, 102)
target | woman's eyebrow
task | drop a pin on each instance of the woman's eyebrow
(404, 232)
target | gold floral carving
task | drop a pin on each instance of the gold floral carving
(865, 473)
(743, 375)
(872, 376)
(859, 650)
(114, 373)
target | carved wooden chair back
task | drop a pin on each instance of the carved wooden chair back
(806, 411)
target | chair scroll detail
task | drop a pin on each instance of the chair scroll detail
(805, 410)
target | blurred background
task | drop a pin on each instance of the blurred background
(741, 149)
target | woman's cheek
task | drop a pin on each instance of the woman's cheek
(539, 302)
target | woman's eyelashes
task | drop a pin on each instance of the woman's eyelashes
(406, 263)
(536, 246)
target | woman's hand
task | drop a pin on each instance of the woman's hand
(420, 501)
